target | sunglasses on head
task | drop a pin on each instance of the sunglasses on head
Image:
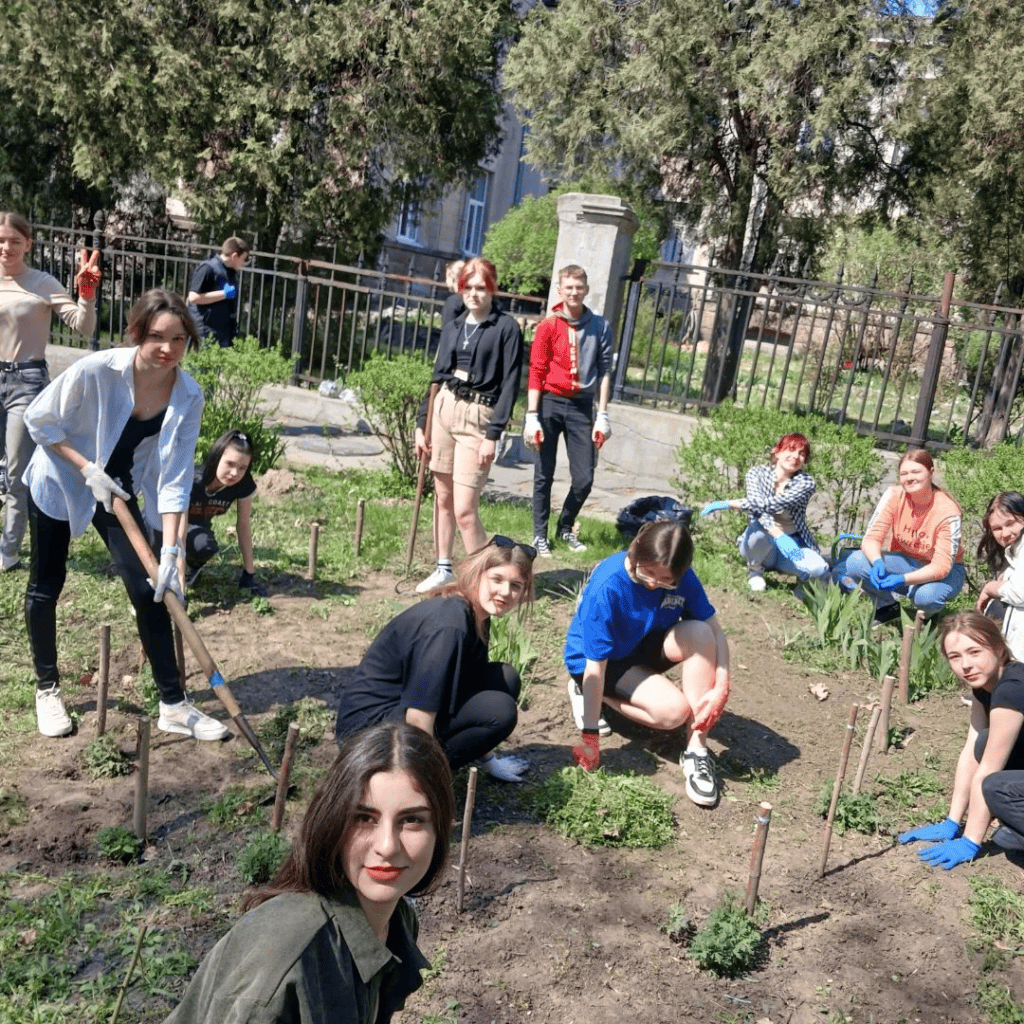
(501, 541)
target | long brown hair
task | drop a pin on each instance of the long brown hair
(315, 862)
(1010, 503)
(981, 629)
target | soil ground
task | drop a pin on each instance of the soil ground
(551, 931)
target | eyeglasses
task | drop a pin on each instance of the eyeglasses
(653, 581)
(501, 541)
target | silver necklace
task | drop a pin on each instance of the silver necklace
(467, 333)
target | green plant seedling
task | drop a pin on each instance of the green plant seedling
(677, 925)
(104, 759)
(729, 940)
(238, 807)
(312, 717)
(855, 812)
(13, 810)
(118, 843)
(262, 606)
(259, 859)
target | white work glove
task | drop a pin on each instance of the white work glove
(602, 429)
(167, 577)
(533, 433)
(102, 487)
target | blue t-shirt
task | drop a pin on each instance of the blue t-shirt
(615, 613)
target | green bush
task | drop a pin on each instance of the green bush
(390, 392)
(855, 812)
(715, 461)
(118, 843)
(259, 859)
(729, 940)
(232, 379)
(597, 809)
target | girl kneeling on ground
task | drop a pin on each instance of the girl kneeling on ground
(641, 613)
(223, 478)
(1002, 548)
(332, 936)
(429, 666)
(989, 780)
(778, 537)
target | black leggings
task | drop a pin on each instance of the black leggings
(484, 720)
(51, 540)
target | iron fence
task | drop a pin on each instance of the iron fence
(901, 367)
(328, 317)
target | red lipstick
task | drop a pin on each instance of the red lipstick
(384, 874)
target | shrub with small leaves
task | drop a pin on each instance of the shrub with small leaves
(259, 859)
(855, 812)
(118, 843)
(729, 940)
(104, 759)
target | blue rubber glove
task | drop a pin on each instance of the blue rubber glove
(714, 506)
(788, 547)
(891, 582)
(877, 573)
(948, 855)
(230, 291)
(937, 833)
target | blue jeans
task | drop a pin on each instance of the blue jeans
(929, 597)
(757, 546)
(18, 387)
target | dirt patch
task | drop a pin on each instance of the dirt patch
(551, 931)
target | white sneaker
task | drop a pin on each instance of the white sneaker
(701, 787)
(187, 720)
(50, 714)
(755, 580)
(576, 703)
(438, 578)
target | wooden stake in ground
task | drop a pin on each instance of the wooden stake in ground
(142, 780)
(865, 750)
(143, 928)
(764, 817)
(883, 719)
(467, 825)
(290, 743)
(103, 681)
(906, 651)
(838, 785)
(360, 516)
(314, 539)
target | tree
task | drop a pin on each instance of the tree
(739, 112)
(324, 116)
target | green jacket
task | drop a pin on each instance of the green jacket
(302, 958)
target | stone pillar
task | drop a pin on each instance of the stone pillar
(595, 232)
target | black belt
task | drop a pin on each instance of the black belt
(28, 364)
(462, 390)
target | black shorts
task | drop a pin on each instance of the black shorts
(649, 653)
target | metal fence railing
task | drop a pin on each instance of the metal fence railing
(901, 367)
(326, 316)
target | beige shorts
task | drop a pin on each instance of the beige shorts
(457, 430)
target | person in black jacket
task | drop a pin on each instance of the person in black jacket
(478, 364)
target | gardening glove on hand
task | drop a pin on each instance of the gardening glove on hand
(877, 573)
(947, 855)
(102, 487)
(891, 582)
(940, 832)
(714, 506)
(230, 291)
(533, 434)
(167, 577)
(588, 754)
(788, 547)
(508, 768)
(249, 582)
(710, 707)
(88, 276)
(602, 429)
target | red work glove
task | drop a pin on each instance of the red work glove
(88, 276)
(710, 707)
(588, 754)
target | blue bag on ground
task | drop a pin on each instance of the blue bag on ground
(650, 510)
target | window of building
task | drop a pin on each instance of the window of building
(473, 222)
(409, 220)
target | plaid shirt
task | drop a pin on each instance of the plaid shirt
(762, 503)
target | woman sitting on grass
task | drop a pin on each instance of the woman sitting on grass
(642, 613)
(777, 537)
(924, 560)
(989, 780)
(222, 479)
(332, 937)
(429, 665)
(1001, 547)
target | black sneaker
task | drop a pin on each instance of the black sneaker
(1007, 838)
(572, 542)
(701, 786)
(887, 613)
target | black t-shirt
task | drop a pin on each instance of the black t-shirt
(216, 318)
(203, 506)
(122, 458)
(1008, 692)
(429, 657)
